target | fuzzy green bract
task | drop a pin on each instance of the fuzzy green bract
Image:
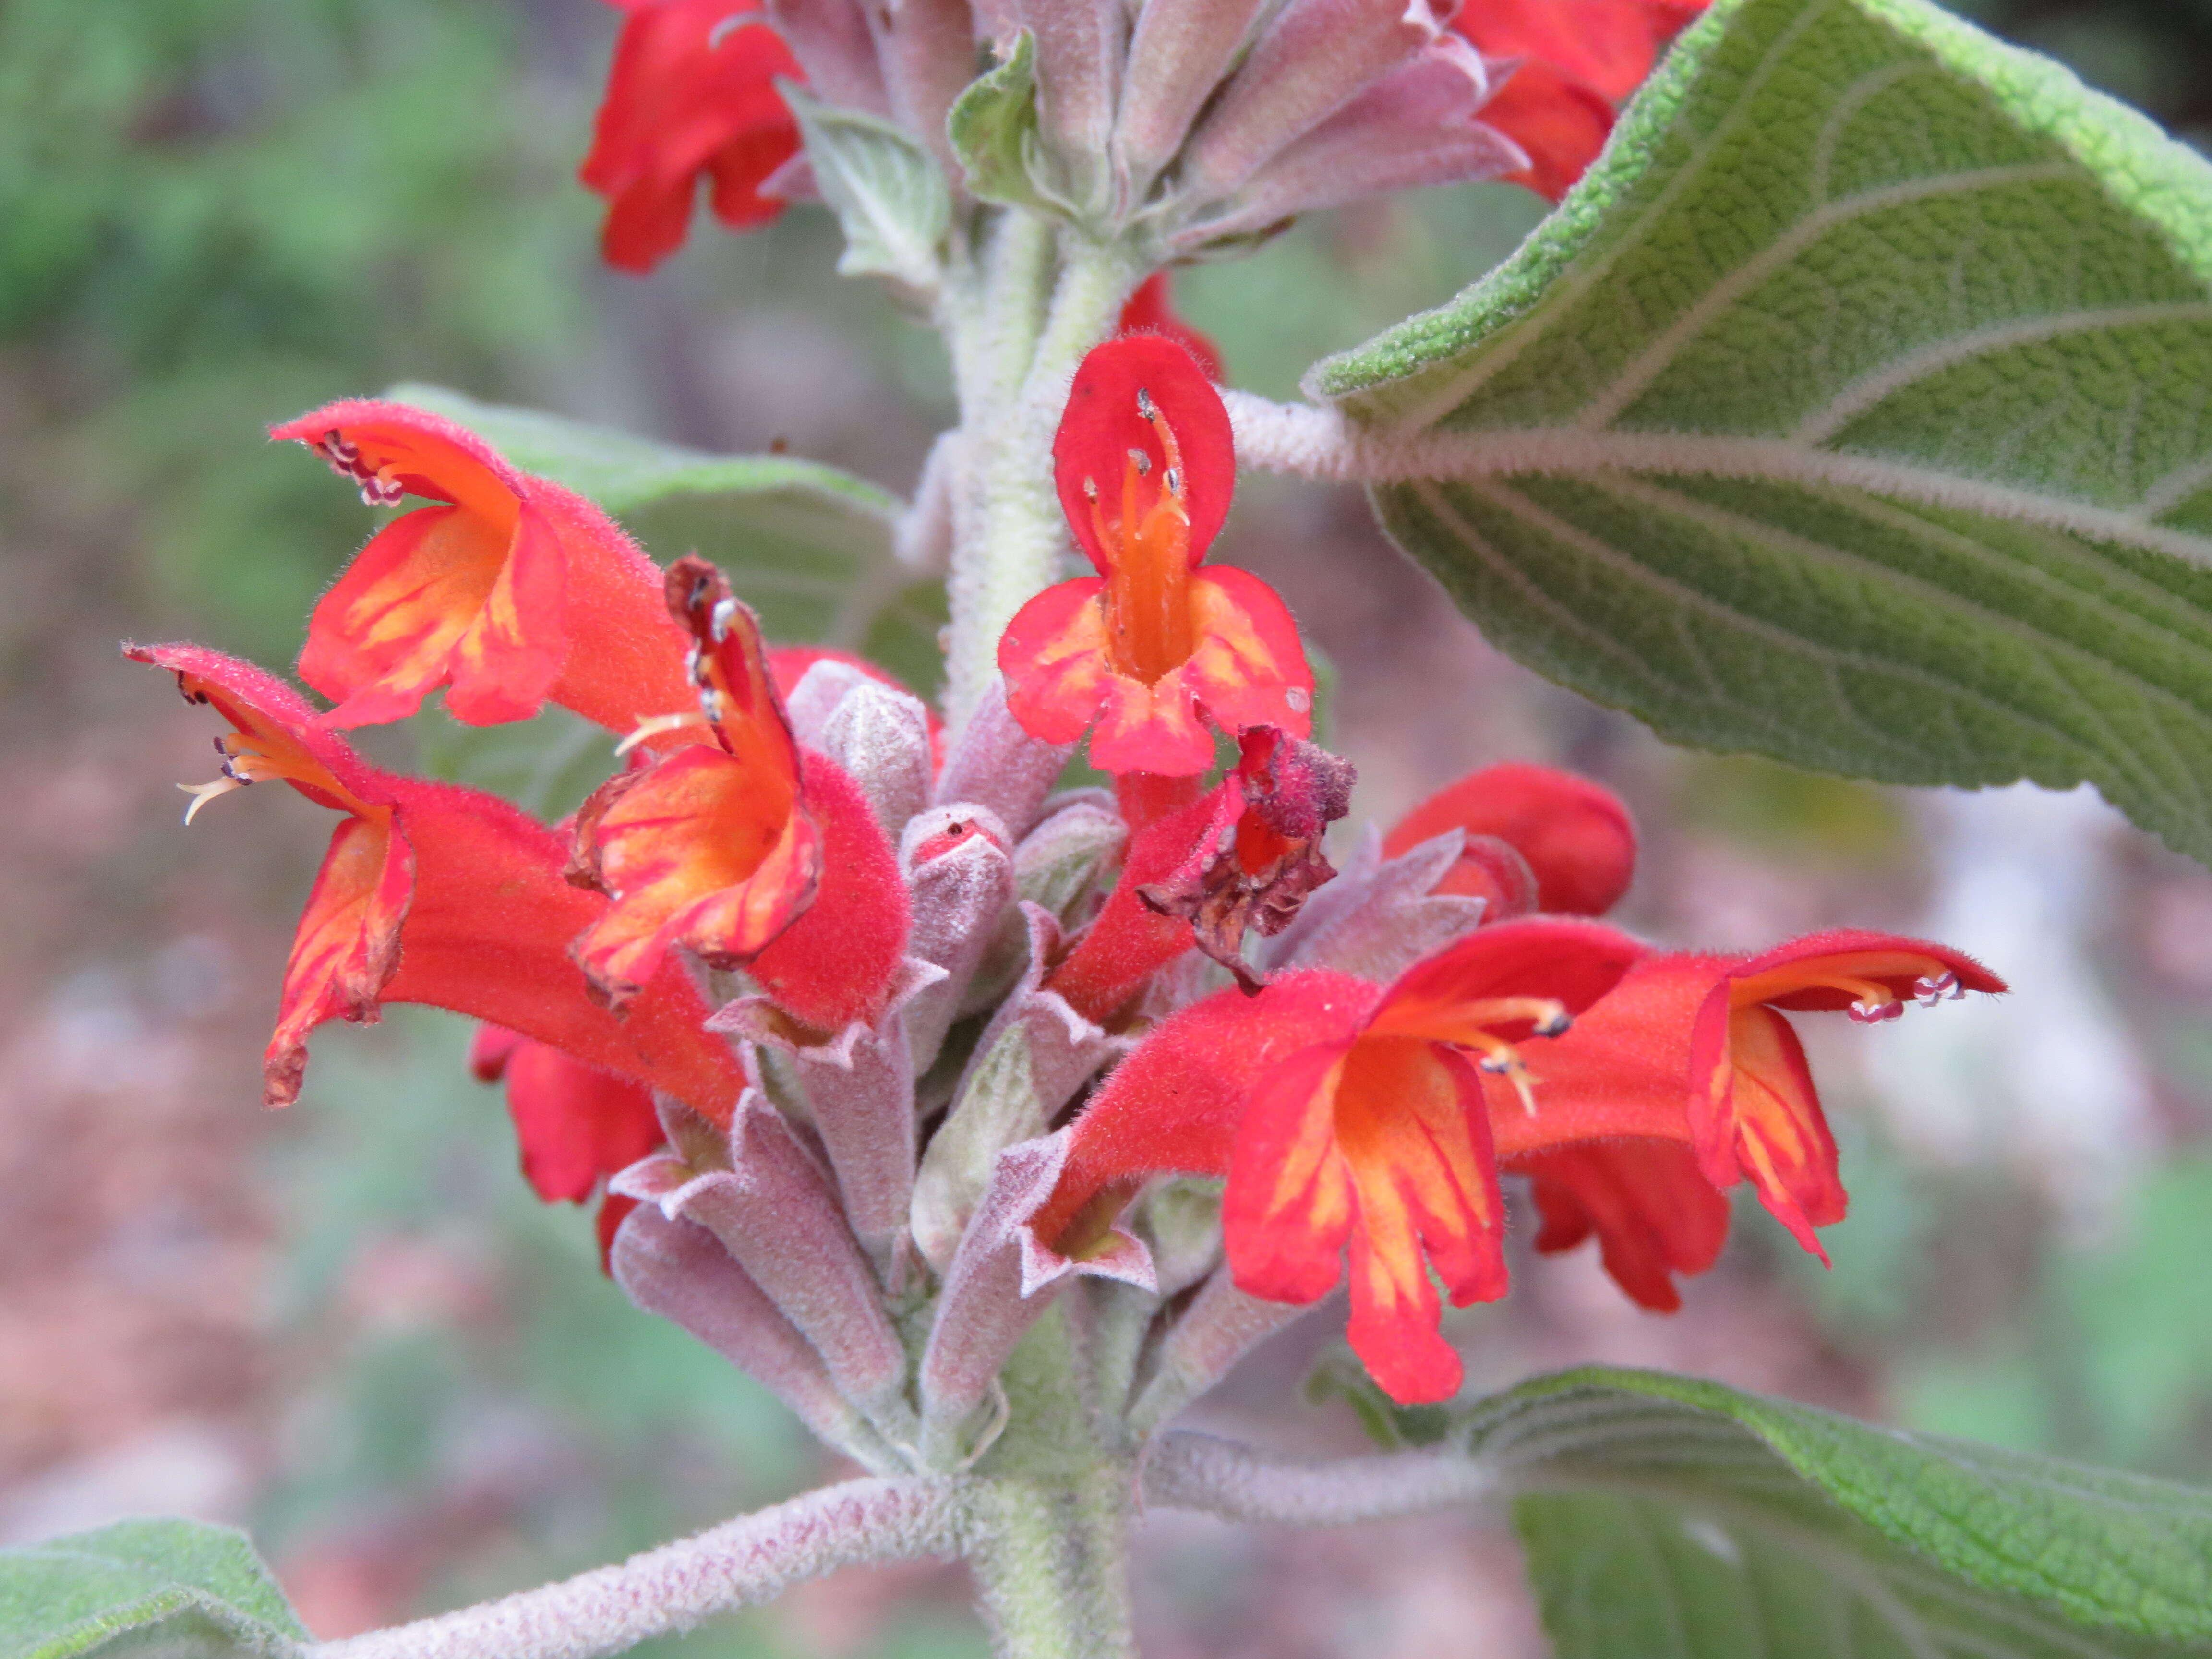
(1852, 411)
(182, 1589)
(1667, 1517)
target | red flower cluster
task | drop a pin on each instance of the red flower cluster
(1352, 1116)
(1442, 1019)
(1349, 1116)
(721, 835)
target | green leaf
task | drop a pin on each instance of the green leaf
(180, 1588)
(623, 473)
(888, 192)
(545, 765)
(1852, 411)
(993, 128)
(807, 546)
(1667, 1518)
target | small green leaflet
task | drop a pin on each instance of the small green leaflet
(182, 1589)
(888, 193)
(1855, 411)
(1667, 1517)
(992, 128)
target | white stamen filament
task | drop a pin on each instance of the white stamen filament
(651, 725)
(202, 793)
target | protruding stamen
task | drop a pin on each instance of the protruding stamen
(1146, 409)
(651, 725)
(724, 613)
(1142, 462)
(377, 487)
(1931, 991)
(1503, 1059)
(202, 793)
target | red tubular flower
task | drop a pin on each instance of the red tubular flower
(722, 846)
(1754, 1111)
(1652, 1212)
(1347, 1114)
(1691, 1048)
(1143, 654)
(575, 1123)
(1150, 310)
(1575, 61)
(1381, 1141)
(483, 594)
(1574, 837)
(439, 894)
(691, 92)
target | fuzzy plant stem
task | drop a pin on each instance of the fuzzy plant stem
(674, 1588)
(1013, 365)
(1050, 1559)
(1186, 1471)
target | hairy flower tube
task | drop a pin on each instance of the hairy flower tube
(1349, 1116)
(576, 1125)
(691, 94)
(740, 848)
(1153, 652)
(434, 894)
(1693, 1048)
(486, 593)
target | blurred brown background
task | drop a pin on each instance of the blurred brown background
(349, 1328)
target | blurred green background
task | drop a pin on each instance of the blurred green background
(352, 1326)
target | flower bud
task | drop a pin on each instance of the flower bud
(1379, 917)
(774, 1213)
(681, 1272)
(1000, 1280)
(1028, 1065)
(994, 762)
(959, 881)
(881, 738)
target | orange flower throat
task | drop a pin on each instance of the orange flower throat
(1148, 582)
